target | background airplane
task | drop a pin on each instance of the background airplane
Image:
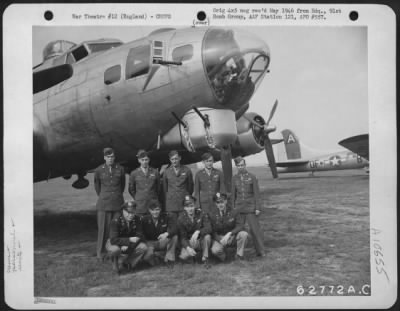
(185, 89)
(293, 156)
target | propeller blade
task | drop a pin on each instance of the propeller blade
(271, 114)
(270, 156)
(226, 160)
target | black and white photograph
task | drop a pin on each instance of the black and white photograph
(204, 158)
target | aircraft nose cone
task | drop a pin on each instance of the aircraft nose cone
(235, 62)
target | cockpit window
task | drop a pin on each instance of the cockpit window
(80, 53)
(235, 62)
(70, 59)
(98, 47)
(182, 53)
(138, 62)
(112, 75)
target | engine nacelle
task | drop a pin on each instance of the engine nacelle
(220, 132)
(248, 140)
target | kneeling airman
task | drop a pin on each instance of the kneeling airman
(126, 238)
(228, 229)
(160, 231)
(195, 232)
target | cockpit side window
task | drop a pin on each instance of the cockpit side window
(182, 53)
(80, 53)
(138, 62)
(112, 75)
(70, 59)
(60, 60)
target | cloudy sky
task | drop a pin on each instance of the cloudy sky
(318, 74)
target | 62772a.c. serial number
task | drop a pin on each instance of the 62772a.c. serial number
(323, 290)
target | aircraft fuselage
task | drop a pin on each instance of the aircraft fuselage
(123, 97)
(339, 161)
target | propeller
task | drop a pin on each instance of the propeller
(271, 114)
(263, 133)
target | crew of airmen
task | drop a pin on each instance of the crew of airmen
(197, 220)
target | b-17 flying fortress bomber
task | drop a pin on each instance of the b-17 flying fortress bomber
(186, 89)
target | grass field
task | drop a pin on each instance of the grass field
(316, 233)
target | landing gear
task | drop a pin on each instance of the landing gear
(81, 182)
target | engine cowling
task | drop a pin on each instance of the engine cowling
(248, 140)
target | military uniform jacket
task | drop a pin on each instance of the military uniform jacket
(121, 231)
(228, 222)
(166, 223)
(109, 186)
(206, 186)
(176, 186)
(186, 227)
(245, 193)
(144, 187)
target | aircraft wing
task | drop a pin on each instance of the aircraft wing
(291, 163)
(358, 144)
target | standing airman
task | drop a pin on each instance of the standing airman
(245, 201)
(109, 183)
(177, 183)
(144, 183)
(207, 183)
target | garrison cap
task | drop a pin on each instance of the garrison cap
(108, 151)
(142, 154)
(206, 156)
(188, 200)
(172, 153)
(153, 204)
(238, 160)
(220, 197)
(129, 206)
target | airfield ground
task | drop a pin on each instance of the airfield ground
(316, 232)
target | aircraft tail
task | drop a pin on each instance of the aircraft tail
(292, 145)
(293, 149)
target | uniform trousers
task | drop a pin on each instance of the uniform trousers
(103, 227)
(167, 244)
(218, 250)
(133, 255)
(255, 231)
(202, 244)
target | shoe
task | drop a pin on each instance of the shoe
(101, 258)
(127, 266)
(239, 258)
(261, 255)
(169, 264)
(115, 266)
(152, 262)
(206, 264)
